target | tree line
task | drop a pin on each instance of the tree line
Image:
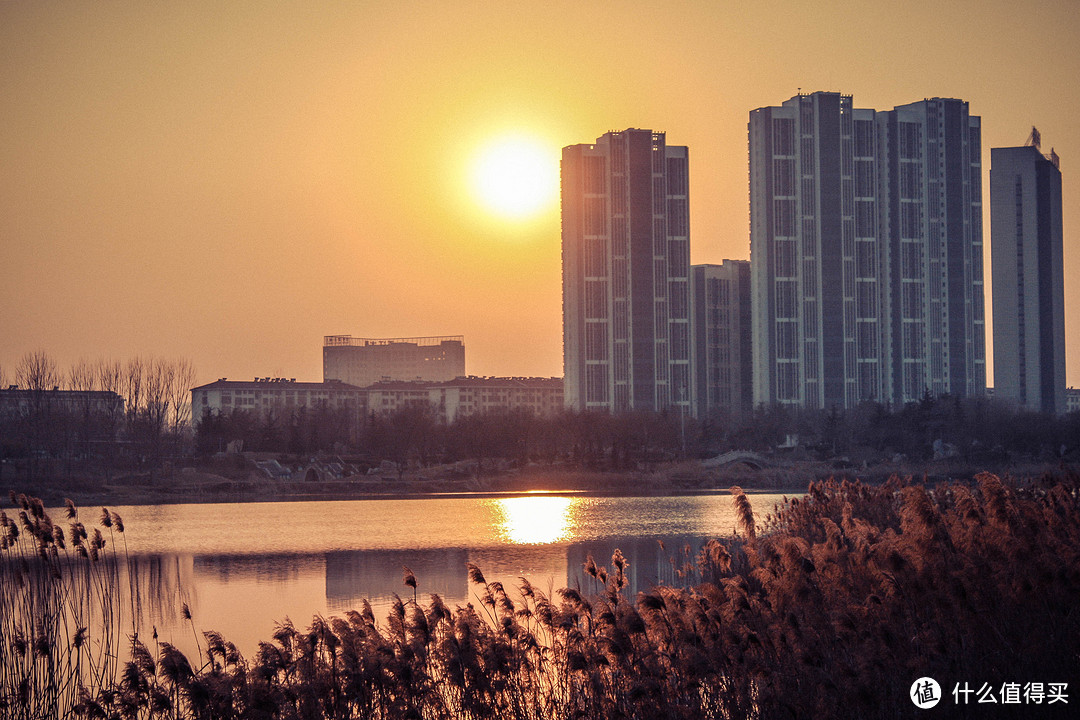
(102, 416)
(57, 422)
(980, 431)
(417, 436)
(973, 429)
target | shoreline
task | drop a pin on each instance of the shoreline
(683, 479)
(111, 496)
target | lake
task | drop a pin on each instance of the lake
(242, 567)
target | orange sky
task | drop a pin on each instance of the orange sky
(230, 182)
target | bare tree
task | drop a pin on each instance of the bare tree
(110, 378)
(37, 371)
(82, 378)
(158, 378)
(183, 378)
(132, 384)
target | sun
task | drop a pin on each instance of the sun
(515, 177)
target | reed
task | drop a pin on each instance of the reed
(830, 607)
(60, 605)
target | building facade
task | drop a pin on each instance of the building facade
(1029, 278)
(538, 396)
(279, 397)
(363, 361)
(59, 423)
(449, 400)
(626, 262)
(722, 359)
(20, 402)
(464, 396)
(866, 251)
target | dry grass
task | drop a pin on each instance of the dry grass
(829, 608)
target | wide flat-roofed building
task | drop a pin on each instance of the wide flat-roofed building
(540, 396)
(465, 396)
(277, 396)
(18, 402)
(365, 361)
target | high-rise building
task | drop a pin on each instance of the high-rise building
(363, 361)
(722, 361)
(866, 252)
(626, 262)
(1029, 278)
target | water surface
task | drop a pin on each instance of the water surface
(242, 567)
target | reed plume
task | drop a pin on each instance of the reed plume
(743, 512)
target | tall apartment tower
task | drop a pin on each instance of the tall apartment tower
(866, 250)
(720, 318)
(1029, 278)
(626, 262)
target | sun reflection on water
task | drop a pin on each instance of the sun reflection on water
(535, 520)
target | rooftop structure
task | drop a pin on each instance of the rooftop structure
(364, 361)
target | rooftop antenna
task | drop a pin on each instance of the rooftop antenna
(1034, 139)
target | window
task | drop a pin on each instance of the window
(678, 300)
(595, 257)
(864, 138)
(784, 177)
(595, 299)
(864, 178)
(785, 258)
(595, 216)
(910, 141)
(783, 136)
(786, 335)
(595, 175)
(678, 225)
(596, 384)
(864, 218)
(784, 218)
(596, 346)
(676, 172)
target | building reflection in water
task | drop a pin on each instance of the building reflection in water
(649, 561)
(375, 575)
(244, 596)
(159, 586)
(537, 537)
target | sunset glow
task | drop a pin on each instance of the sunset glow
(515, 176)
(535, 520)
(232, 182)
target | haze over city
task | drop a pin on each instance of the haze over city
(230, 183)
